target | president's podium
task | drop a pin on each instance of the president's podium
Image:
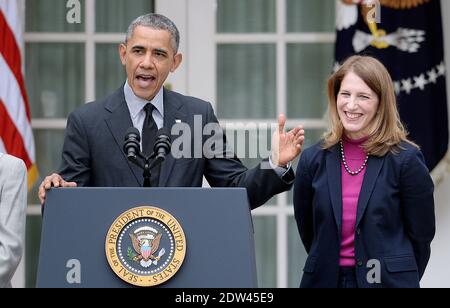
(163, 237)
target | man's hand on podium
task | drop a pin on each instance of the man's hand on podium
(54, 180)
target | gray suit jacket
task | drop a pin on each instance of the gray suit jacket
(13, 203)
(93, 155)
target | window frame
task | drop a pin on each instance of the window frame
(196, 22)
(203, 40)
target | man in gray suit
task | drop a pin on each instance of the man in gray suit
(13, 203)
(93, 155)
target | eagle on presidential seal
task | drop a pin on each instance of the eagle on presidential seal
(145, 242)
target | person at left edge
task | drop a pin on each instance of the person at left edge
(93, 155)
(13, 204)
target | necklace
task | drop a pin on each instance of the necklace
(345, 162)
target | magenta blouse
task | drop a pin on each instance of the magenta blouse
(351, 187)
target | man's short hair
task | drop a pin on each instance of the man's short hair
(158, 22)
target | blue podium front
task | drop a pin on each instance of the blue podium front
(173, 237)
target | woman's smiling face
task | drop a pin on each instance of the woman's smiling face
(357, 106)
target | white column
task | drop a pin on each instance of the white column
(89, 21)
(202, 50)
(176, 10)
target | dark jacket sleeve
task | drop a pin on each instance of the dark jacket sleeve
(75, 164)
(261, 182)
(303, 195)
(416, 188)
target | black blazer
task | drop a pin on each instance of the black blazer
(395, 217)
(93, 155)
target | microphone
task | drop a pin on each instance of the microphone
(132, 149)
(162, 144)
(132, 145)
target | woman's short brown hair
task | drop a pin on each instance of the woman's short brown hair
(388, 131)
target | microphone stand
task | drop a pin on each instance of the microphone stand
(147, 166)
(133, 152)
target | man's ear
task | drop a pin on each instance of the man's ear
(122, 53)
(177, 61)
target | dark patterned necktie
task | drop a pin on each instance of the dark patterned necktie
(149, 130)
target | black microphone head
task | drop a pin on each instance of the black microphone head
(132, 132)
(163, 142)
(163, 132)
(131, 146)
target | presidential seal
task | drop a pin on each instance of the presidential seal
(145, 246)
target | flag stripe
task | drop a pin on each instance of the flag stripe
(15, 107)
(13, 10)
(2, 146)
(12, 19)
(12, 140)
(11, 54)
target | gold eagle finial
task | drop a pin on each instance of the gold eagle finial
(368, 5)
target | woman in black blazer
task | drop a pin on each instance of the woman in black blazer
(363, 197)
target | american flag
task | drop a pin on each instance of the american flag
(16, 135)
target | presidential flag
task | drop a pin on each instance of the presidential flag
(406, 35)
(16, 136)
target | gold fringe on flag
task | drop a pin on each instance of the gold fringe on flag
(33, 176)
(393, 4)
(402, 4)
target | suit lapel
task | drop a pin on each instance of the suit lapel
(374, 165)
(118, 121)
(173, 110)
(335, 184)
